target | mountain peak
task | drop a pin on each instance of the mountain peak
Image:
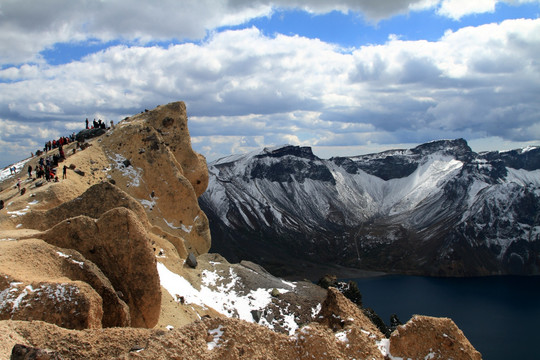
(293, 150)
(457, 147)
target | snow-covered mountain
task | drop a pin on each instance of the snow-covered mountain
(438, 209)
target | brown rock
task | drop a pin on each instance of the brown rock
(35, 260)
(158, 167)
(338, 312)
(172, 120)
(70, 304)
(119, 244)
(425, 337)
(94, 202)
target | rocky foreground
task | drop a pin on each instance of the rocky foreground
(112, 262)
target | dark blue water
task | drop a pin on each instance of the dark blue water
(499, 315)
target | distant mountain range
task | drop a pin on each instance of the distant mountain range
(437, 209)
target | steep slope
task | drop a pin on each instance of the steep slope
(437, 209)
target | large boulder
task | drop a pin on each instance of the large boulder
(120, 245)
(35, 260)
(69, 304)
(87, 134)
(425, 337)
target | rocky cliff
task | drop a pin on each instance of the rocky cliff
(437, 209)
(112, 262)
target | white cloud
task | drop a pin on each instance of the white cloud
(456, 9)
(244, 90)
(28, 27)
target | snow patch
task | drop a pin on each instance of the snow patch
(384, 348)
(19, 212)
(5, 173)
(80, 263)
(217, 334)
(342, 336)
(222, 297)
(132, 173)
(316, 310)
(149, 204)
(182, 227)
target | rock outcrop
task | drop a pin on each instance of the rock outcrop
(28, 262)
(119, 244)
(227, 339)
(425, 337)
(154, 163)
(94, 202)
(72, 305)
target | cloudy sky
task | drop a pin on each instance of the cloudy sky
(346, 77)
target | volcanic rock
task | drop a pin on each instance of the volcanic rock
(120, 245)
(167, 176)
(43, 262)
(73, 305)
(425, 337)
(94, 202)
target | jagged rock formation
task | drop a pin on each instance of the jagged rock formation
(353, 336)
(154, 163)
(115, 229)
(437, 209)
(425, 337)
(104, 250)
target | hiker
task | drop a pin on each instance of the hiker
(87, 123)
(29, 171)
(19, 184)
(64, 172)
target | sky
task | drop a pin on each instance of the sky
(346, 77)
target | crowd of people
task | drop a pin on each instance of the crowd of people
(47, 165)
(46, 168)
(97, 124)
(64, 140)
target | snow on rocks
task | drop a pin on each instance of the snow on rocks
(245, 291)
(215, 293)
(127, 170)
(76, 304)
(216, 336)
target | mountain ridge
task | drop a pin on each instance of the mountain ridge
(434, 204)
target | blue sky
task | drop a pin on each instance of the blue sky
(346, 78)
